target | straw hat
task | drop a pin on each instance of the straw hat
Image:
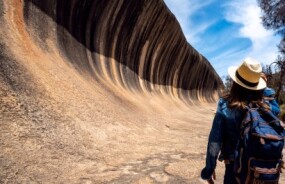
(248, 74)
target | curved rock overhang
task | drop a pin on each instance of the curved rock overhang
(138, 45)
(101, 91)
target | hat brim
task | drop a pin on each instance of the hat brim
(232, 73)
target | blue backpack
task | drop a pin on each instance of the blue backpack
(258, 156)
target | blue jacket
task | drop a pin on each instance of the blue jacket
(223, 137)
(225, 133)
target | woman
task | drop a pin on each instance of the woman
(247, 88)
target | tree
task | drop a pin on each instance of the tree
(273, 17)
(280, 66)
(228, 83)
(281, 46)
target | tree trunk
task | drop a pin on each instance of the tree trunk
(280, 86)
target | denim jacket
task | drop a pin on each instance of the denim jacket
(223, 136)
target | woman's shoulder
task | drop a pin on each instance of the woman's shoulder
(224, 110)
(222, 102)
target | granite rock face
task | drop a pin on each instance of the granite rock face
(101, 91)
(136, 44)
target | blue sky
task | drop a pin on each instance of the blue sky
(225, 32)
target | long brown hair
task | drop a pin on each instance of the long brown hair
(239, 97)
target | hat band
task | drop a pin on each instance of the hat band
(250, 84)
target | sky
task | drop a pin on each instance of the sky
(225, 32)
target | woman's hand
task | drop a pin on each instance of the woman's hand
(213, 177)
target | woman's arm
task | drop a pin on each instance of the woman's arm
(214, 145)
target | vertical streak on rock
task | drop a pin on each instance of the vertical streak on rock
(137, 45)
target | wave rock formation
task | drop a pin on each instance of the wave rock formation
(100, 91)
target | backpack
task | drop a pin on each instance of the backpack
(258, 155)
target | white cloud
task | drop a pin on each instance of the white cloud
(183, 11)
(224, 60)
(192, 34)
(247, 13)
